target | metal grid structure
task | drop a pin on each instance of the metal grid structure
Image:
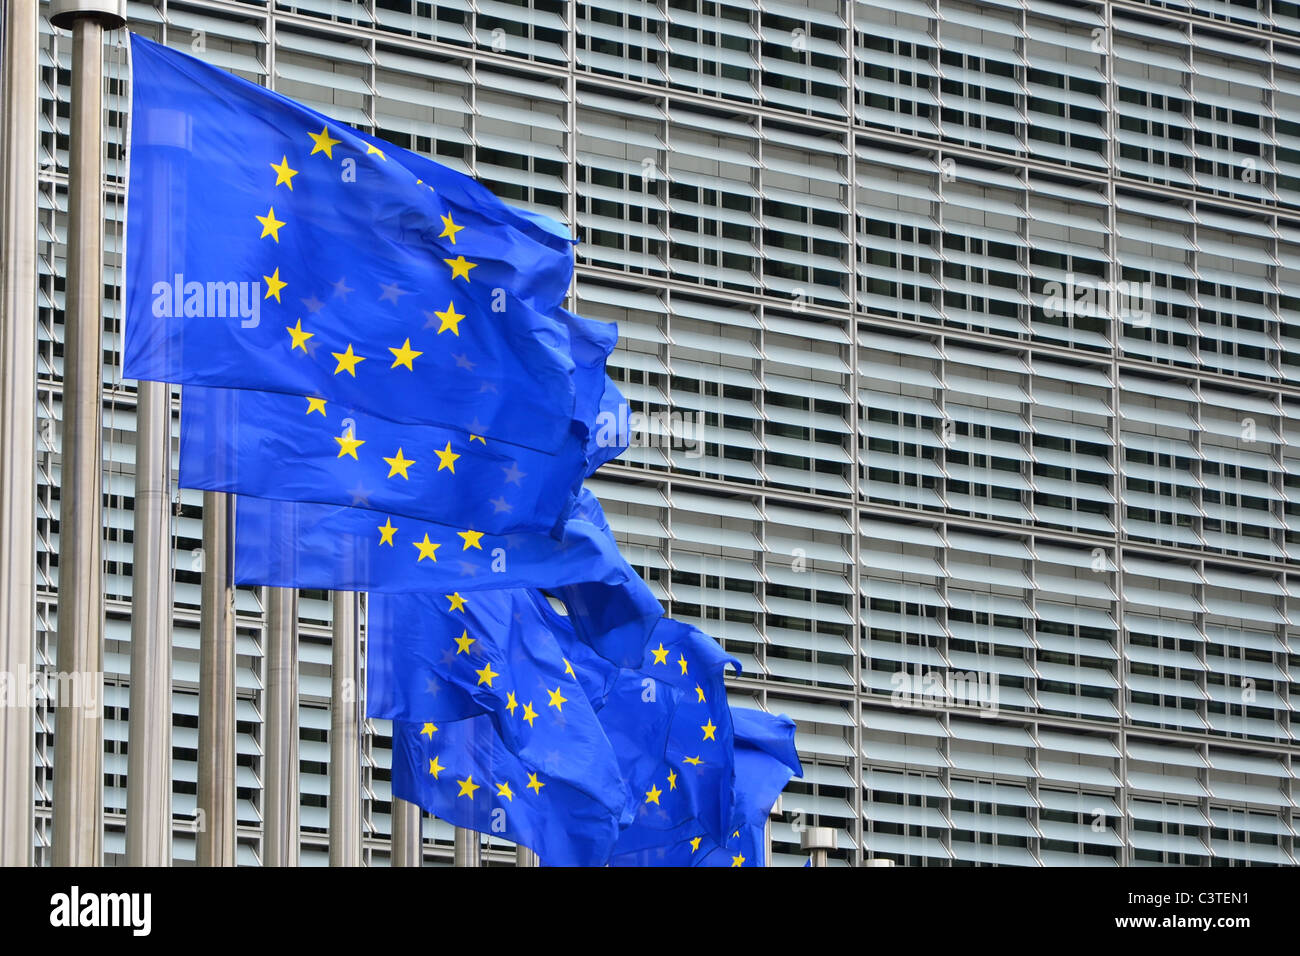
(1021, 570)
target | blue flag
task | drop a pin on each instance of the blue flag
(444, 657)
(296, 448)
(671, 726)
(465, 773)
(292, 448)
(441, 658)
(307, 545)
(765, 760)
(270, 248)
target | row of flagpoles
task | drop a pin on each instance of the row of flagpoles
(77, 803)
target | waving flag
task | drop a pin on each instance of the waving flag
(765, 760)
(464, 772)
(305, 545)
(303, 448)
(271, 248)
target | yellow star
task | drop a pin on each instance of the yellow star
(511, 703)
(682, 660)
(467, 787)
(660, 653)
(435, 768)
(503, 790)
(457, 603)
(450, 319)
(372, 150)
(695, 844)
(534, 784)
(299, 337)
(478, 438)
(427, 549)
(449, 229)
(699, 693)
(460, 267)
(347, 361)
(738, 860)
(386, 532)
(404, 356)
(708, 729)
(324, 144)
(348, 445)
(447, 458)
(471, 539)
(270, 225)
(463, 642)
(693, 761)
(568, 668)
(398, 465)
(672, 779)
(485, 675)
(529, 714)
(428, 731)
(652, 795)
(283, 174)
(316, 405)
(558, 700)
(274, 285)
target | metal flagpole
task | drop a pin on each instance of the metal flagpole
(149, 755)
(79, 731)
(17, 421)
(345, 737)
(408, 836)
(215, 843)
(467, 848)
(149, 738)
(280, 782)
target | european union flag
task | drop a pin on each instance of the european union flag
(765, 759)
(465, 773)
(307, 545)
(671, 726)
(292, 448)
(270, 248)
(436, 658)
(296, 448)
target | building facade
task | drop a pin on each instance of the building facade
(964, 339)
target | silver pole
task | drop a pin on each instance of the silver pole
(525, 856)
(280, 783)
(17, 419)
(345, 737)
(408, 837)
(215, 844)
(467, 848)
(149, 754)
(79, 729)
(148, 782)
